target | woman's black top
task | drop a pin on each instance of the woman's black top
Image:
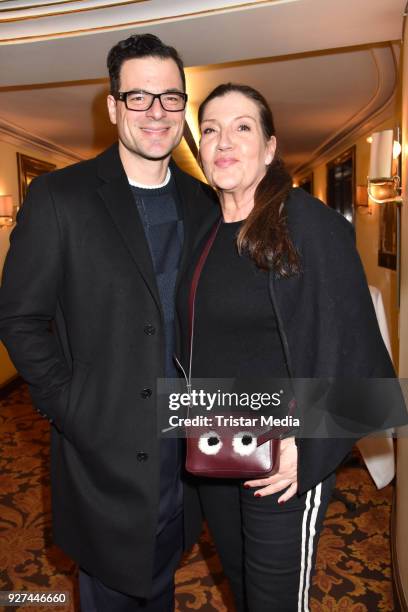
(235, 330)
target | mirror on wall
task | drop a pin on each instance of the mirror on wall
(341, 184)
(29, 168)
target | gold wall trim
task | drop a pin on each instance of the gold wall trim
(75, 11)
(151, 21)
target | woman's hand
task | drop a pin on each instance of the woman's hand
(285, 477)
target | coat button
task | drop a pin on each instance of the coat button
(141, 456)
(149, 330)
(145, 393)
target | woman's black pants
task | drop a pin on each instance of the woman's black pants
(267, 549)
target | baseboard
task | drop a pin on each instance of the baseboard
(400, 603)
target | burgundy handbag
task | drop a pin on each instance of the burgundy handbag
(227, 452)
(232, 453)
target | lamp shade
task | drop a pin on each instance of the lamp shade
(381, 155)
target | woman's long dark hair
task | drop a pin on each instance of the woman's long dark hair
(264, 234)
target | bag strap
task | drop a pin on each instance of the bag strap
(192, 295)
(196, 277)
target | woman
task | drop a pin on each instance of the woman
(280, 243)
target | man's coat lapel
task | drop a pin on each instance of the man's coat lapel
(118, 198)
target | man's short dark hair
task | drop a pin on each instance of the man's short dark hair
(139, 45)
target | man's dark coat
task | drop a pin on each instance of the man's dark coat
(80, 315)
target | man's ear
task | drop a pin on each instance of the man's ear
(111, 102)
(270, 150)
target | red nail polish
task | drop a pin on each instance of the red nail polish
(258, 495)
(282, 501)
(246, 486)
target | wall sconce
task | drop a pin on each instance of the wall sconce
(383, 182)
(7, 211)
(383, 179)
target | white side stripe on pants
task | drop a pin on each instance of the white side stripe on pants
(307, 546)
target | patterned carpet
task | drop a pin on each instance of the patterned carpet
(353, 565)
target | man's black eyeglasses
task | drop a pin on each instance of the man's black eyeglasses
(140, 100)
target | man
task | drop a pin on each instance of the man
(87, 314)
